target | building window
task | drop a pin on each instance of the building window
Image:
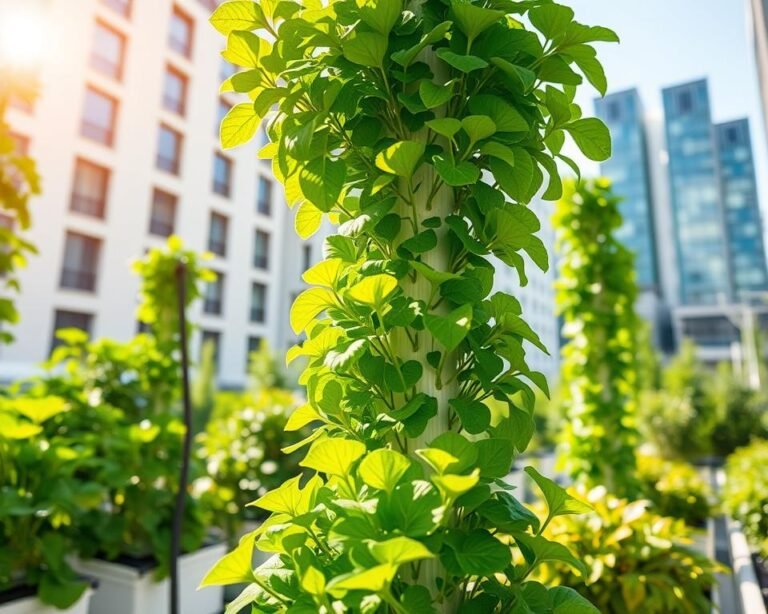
(214, 295)
(307, 256)
(226, 70)
(217, 235)
(81, 258)
(685, 102)
(70, 319)
(108, 51)
(163, 216)
(169, 150)
(175, 91)
(261, 250)
(89, 189)
(258, 303)
(209, 4)
(213, 338)
(254, 345)
(614, 111)
(180, 34)
(122, 7)
(221, 112)
(264, 196)
(99, 113)
(222, 175)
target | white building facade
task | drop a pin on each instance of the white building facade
(125, 134)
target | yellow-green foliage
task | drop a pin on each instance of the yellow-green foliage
(745, 496)
(676, 489)
(639, 561)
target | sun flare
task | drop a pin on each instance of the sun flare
(22, 35)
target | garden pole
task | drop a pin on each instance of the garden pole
(178, 516)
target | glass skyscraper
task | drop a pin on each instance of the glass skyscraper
(628, 170)
(698, 214)
(745, 235)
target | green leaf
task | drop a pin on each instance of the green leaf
(322, 181)
(450, 330)
(473, 20)
(445, 126)
(559, 502)
(381, 15)
(383, 469)
(411, 509)
(301, 417)
(456, 175)
(507, 514)
(289, 498)
(478, 127)
(374, 580)
(399, 550)
(544, 550)
(235, 567)
(479, 553)
(239, 125)
(243, 49)
(497, 150)
(439, 460)
(506, 117)
(325, 273)
(313, 581)
(40, 410)
(592, 137)
(462, 63)
(459, 447)
(365, 48)
(523, 78)
(60, 593)
(308, 220)
(433, 95)
(406, 56)
(373, 290)
(333, 456)
(586, 59)
(475, 416)
(422, 242)
(239, 15)
(565, 600)
(453, 486)
(555, 69)
(401, 159)
(308, 305)
(494, 457)
(551, 20)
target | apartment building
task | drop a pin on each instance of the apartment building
(125, 133)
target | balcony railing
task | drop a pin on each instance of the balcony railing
(221, 187)
(78, 280)
(212, 306)
(88, 205)
(217, 247)
(170, 165)
(160, 228)
(258, 314)
(96, 132)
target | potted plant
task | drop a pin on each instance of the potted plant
(41, 498)
(127, 396)
(745, 499)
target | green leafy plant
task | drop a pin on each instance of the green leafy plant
(19, 182)
(241, 448)
(596, 294)
(745, 495)
(638, 560)
(675, 489)
(422, 128)
(41, 498)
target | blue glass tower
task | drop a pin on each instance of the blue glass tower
(694, 173)
(743, 224)
(629, 171)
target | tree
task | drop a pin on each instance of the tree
(422, 129)
(19, 182)
(596, 295)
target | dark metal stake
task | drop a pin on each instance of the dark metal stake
(178, 515)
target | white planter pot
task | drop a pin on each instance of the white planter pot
(127, 590)
(32, 605)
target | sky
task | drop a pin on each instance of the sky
(666, 42)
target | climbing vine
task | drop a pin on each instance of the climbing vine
(421, 128)
(596, 294)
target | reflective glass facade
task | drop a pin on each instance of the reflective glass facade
(696, 198)
(745, 236)
(628, 170)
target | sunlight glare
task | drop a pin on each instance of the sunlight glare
(22, 36)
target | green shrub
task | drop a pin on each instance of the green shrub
(42, 499)
(675, 489)
(638, 561)
(241, 448)
(745, 496)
